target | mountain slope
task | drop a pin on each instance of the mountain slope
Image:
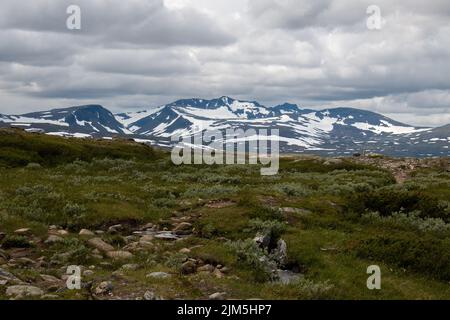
(79, 121)
(338, 131)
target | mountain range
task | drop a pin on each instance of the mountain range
(329, 132)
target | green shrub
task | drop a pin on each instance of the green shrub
(426, 254)
(388, 200)
(256, 259)
(16, 241)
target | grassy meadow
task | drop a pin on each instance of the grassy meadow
(336, 217)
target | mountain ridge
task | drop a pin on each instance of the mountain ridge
(331, 131)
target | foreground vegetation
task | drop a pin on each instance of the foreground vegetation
(335, 217)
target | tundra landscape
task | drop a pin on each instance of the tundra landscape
(224, 158)
(140, 227)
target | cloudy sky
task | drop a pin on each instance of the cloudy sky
(143, 53)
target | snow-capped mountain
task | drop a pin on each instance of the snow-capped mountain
(82, 121)
(339, 131)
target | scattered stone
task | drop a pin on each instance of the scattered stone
(100, 245)
(3, 282)
(62, 232)
(218, 296)
(88, 273)
(130, 267)
(158, 275)
(185, 251)
(183, 226)
(166, 235)
(104, 288)
(22, 291)
(22, 231)
(262, 240)
(147, 238)
(150, 295)
(205, 268)
(119, 255)
(218, 274)
(224, 269)
(116, 228)
(49, 278)
(133, 246)
(188, 267)
(280, 253)
(86, 232)
(146, 244)
(52, 239)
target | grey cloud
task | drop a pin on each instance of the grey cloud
(134, 21)
(143, 53)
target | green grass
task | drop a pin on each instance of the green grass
(93, 184)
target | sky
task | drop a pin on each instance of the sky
(139, 54)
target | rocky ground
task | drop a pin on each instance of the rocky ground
(52, 279)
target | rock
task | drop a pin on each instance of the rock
(88, 273)
(206, 267)
(104, 287)
(23, 261)
(158, 275)
(183, 226)
(129, 267)
(146, 244)
(147, 238)
(62, 232)
(133, 246)
(22, 231)
(3, 282)
(218, 296)
(262, 240)
(218, 274)
(147, 226)
(224, 269)
(280, 253)
(116, 228)
(86, 232)
(119, 255)
(150, 295)
(188, 267)
(100, 245)
(2, 236)
(22, 291)
(129, 239)
(49, 278)
(185, 251)
(52, 239)
(166, 235)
